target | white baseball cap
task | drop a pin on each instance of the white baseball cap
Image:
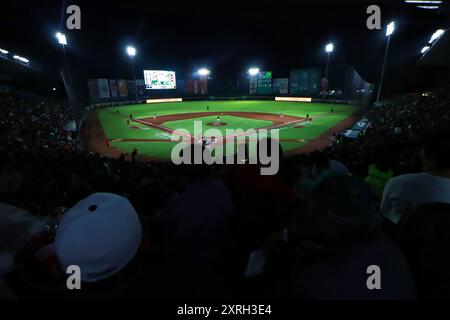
(100, 234)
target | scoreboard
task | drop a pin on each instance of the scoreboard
(160, 79)
(264, 84)
(305, 82)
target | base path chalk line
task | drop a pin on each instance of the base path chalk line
(223, 139)
(165, 129)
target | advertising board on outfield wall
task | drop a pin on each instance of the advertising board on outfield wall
(164, 100)
(295, 99)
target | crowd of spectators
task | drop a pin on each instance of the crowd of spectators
(316, 230)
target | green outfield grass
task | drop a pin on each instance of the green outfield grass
(116, 128)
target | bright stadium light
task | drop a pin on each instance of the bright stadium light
(253, 71)
(61, 38)
(390, 29)
(4, 51)
(329, 48)
(428, 7)
(203, 72)
(425, 49)
(424, 1)
(21, 59)
(436, 35)
(131, 51)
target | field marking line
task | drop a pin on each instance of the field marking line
(164, 128)
(281, 125)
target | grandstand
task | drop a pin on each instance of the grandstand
(240, 160)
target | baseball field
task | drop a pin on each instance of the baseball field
(148, 127)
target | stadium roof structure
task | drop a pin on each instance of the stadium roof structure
(11, 66)
(439, 53)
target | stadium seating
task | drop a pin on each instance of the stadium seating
(44, 173)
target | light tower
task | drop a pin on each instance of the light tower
(131, 51)
(390, 28)
(329, 48)
(62, 40)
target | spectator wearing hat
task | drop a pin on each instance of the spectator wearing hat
(431, 185)
(334, 238)
(101, 235)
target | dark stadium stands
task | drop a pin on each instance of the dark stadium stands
(207, 232)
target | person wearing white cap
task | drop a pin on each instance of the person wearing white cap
(100, 234)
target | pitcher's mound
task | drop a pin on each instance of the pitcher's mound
(217, 124)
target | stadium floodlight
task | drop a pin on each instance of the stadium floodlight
(21, 59)
(329, 48)
(390, 29)
(425, 49)
(436, 35)
(428, 7)
(4, 51)
(131, 51)
(424, 1)
(425, 4)
(62, 40)
(203, 72)
(253, 71)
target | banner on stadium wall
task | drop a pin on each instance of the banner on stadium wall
(113, 88)
(140, 84)
(280, 85)
(192, 87)
(324, 85)
(123, 88)
(305, 82)
(103, 88)
(93, 89)
(203, 86)
(196, 87)
(180, 85)
(253, 85)
(131, 88)
(264, 85)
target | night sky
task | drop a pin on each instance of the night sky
(225, 36)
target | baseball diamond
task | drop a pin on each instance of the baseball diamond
(152, 125)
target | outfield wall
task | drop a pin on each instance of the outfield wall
(212, 98)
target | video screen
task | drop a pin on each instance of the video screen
(160, 79)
